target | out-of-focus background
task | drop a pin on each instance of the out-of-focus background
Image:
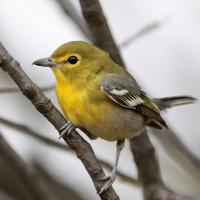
(166, 62)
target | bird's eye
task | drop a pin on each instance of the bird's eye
(73, 59)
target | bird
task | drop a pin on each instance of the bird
(102, 98)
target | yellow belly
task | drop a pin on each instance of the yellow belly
(103, 119)
(74, 103)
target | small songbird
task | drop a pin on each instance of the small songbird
(102, 98)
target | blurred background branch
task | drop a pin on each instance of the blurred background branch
(20, 181)
(144, 31)
(45, 140)
(13, 90)
(28, 178)
(149, 170)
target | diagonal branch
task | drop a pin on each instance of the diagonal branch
(45, 140)
(178, 143)
(146, 162)
(149, 28)
(13, 90)
(82, 148)
(29, 131)
(72, 12)
(28, 177)
(98, 25)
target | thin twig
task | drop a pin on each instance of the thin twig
(72, 12)
(30, 132)
(82, 148)
(14, 90)
(147, 29)
(177, 142)
(166, 103)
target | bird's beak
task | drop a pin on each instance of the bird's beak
(45, 62)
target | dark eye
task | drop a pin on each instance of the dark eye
(73, 59)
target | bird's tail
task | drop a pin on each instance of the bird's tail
(169, 102)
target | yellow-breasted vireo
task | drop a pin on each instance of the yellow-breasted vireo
(102, 98)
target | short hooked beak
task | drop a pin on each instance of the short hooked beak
(45, 62)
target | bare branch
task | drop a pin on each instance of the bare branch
(153, 186)
(176, 141)
(28, 177)
(166, 103)
(30, 132)
(149, 28)
(100, 31)
(82, 148)
(72, 12)
(6, 196)
(13, 90)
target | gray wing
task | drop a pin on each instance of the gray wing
(127, 93)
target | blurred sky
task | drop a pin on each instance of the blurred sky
(166, 62)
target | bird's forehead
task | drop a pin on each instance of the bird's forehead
(72, 47)
(84, 49)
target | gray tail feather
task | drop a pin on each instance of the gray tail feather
(169, 102)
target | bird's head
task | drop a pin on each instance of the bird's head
(73, 56)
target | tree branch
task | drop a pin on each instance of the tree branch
(149, 28)
(178, 143)
(82, 148)
(27, 176)
(14, 90)
(146, 162)
(97, 23)
(71, 12)
(28, 131)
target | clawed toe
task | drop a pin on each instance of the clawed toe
(109, 181)
(105, 178)
(66, 129)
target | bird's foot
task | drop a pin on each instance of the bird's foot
(109, 181)
(66, 129)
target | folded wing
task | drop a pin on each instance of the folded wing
(126, 92)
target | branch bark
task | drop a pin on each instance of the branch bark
(82, 148)
(98, 25)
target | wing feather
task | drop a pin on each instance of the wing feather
(128, 94)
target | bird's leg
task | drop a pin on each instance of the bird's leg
(111, 178)
(66, 129)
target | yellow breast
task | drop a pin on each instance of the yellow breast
(75, 103)
(94, 111)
